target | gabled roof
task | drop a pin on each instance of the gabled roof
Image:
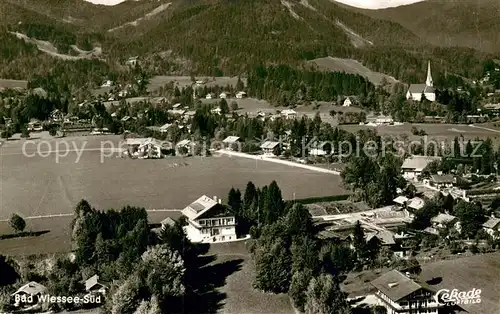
(418, 163)
(445, 178)
(491, 223)
(199, 207)
(396, 286)
(32, 288)
(184, 143)
(416, 203)
(400, 199)
(231, 139)
(92, 282)
(385, 237)
(269, 145)
(288, 112)
(168, 222)
(443, 218)
(417, 88)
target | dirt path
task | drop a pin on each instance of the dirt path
(278, 161)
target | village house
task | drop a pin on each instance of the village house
(348, 102)
(492, 227)
(35, 125)
(241, 95)
(31, 289)
(107, 83)
(56, 116)
(412, 167)
(289, 114)
(132, 61)
(210, 96)
(176, 112)
(144, 148)
(415, 203)
(415, 91)
(270, 148)
(184, 148)
(217, 111)
(441, 221)
(94, 286)
(442, 181)
(399, 294)
(176, 106)
(232, 143)
(209, 221)
(223, 95)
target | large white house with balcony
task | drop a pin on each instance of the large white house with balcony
(209, 221)
(400, 294)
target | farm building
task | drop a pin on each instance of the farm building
(442, 181)
(184, 147)
(217, 110)
(223, 95)
(210, 96)
(441, 221)
(95, 286)
(412, 167)
(348, 102)
(33, 289)
(231, 142)
(416, 91)
(289, 114)
(209, 221)
(241, 95)
(144, 147)
(270, 148)
(492, 226)
(399, 293)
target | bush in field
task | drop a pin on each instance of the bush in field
(17, 223)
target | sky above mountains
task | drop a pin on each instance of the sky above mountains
(366, 4)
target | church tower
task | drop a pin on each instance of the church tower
(429, 82)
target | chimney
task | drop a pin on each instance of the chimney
(220, 201)
(392, 284)
(215, 198)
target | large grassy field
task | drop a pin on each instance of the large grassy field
(35, 186)
(439, 131)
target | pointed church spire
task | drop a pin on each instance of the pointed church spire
(429, 82)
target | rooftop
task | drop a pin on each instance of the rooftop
(443, 218)
(418, 163)
(491, 223)
(32, 288)
(198, 207)
(395, 285)
(269, 145)
(445, 178)
(231, 139)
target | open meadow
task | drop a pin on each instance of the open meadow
(352, 67)
(438, 131)
(13, 83)
(38, 185)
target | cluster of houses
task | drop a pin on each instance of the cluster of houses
(30, 297)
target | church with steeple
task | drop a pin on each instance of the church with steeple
(416, 91)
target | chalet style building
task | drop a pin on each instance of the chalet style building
(414, 165)
(399, 294)
(416, 91)
(209, 221)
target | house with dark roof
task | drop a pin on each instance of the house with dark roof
(209, 221)
(415, 91)
(442, 181)
(398, 293)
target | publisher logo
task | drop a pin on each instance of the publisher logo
(457, 297)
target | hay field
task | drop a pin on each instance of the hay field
(39, 186)
(353, 67)
(439, 131)
(183, 81)
(13, 83)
